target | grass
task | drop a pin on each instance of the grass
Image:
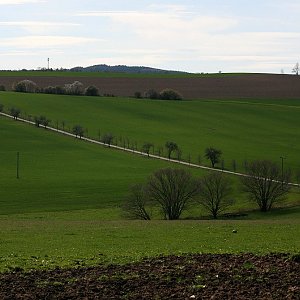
(65, 208)
(243, 130)
(46, 241)
(59, 173)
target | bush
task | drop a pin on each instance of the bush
(75, 88)
(138, 95)
(26, 86)
(1, 107)
(2, 88)
(152, 94)
(169, 94)
(91, 91)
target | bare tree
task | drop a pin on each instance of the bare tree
(146, 148)
(215, 191)
(172, 189)
(15, 112)
(78, 131)
(266, 183)
(213, 155)
(107, 138)
(135, 205)
(296, 68)
(171, 147)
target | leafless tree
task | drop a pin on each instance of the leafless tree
(266, 183)
(171, 147)
(213, 155)
(15, 112)
(215, 191)
(296, 68)
(78, 131)
(172, 189)
(146, 148)
(135, 204)
(107, 138)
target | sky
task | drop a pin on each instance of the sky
(192, 35)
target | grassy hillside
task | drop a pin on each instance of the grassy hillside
(59, 173)
(63, 211)
(242, 130)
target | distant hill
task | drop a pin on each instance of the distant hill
(122, 69)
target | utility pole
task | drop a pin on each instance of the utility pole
(18, 162)
(282, 158)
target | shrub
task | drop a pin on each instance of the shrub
(91, 91)
(26, 86)
(152, 94)
(138, 95)
(75, 88)
(2, 88)
(169, 94)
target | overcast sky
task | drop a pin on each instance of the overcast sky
(190, 35)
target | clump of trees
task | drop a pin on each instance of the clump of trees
(41, 120)
(166, 94)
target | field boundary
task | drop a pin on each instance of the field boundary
(188, 164)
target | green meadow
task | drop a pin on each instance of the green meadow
(65, 209)
(242, 130)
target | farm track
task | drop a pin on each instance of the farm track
(135, 151)
(194, 276)
(259, 86)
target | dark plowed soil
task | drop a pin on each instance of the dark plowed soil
(174, 277)
(237, 86)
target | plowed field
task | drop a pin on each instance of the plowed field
(235, 86)
(173, 277)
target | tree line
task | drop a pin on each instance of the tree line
(172, 191)
(77, 88)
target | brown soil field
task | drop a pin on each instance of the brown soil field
(232, 87)
(197, 276)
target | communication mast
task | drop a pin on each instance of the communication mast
(48, 63)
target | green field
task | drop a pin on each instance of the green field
(242, 130)
(65, 208)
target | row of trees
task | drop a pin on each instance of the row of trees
(166, 94)
(173, 190)
(77, 88)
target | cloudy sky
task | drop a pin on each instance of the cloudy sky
(190, 35)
